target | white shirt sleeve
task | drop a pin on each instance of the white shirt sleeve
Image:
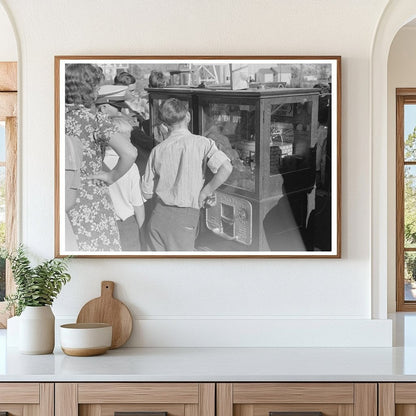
(135, 190)
(215, 157)
(148, 182)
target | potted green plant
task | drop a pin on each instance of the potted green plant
(36, 289)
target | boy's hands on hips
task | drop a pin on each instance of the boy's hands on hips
(204, 196)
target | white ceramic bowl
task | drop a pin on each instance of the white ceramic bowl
(84, 340)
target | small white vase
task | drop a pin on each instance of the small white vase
(37, 330)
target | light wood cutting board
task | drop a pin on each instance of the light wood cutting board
(107, 309)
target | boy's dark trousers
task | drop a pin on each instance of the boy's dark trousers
(172, 228)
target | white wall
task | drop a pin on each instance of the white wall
(401, 74)
(8, 46)
(203, 302)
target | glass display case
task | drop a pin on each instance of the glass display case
(269, 135)
(232, 128)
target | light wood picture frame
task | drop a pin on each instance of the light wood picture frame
(258, 174)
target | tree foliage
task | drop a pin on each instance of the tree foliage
(410, 204)
(410, 191)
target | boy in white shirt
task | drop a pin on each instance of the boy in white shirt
(175, 176)
(126, 195)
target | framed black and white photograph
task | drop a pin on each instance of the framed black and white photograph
(198, 156)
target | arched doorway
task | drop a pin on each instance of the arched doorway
(395, 16)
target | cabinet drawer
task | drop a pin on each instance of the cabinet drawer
(107, 399)
(138, 393)
(19, 393)
(270, 399)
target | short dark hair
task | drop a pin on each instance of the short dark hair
(157, 79)
(124, 78)
(173, 111)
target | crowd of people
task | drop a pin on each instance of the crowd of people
(112, 170)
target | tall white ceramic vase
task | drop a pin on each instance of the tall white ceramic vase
(37, 330)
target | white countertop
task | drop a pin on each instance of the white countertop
(215, 364)
(222, 364)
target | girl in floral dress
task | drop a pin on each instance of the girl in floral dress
(92, 217)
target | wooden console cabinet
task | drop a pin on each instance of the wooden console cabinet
(208, 399)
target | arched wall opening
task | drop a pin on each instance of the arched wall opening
(396, 15)
(401, 74)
